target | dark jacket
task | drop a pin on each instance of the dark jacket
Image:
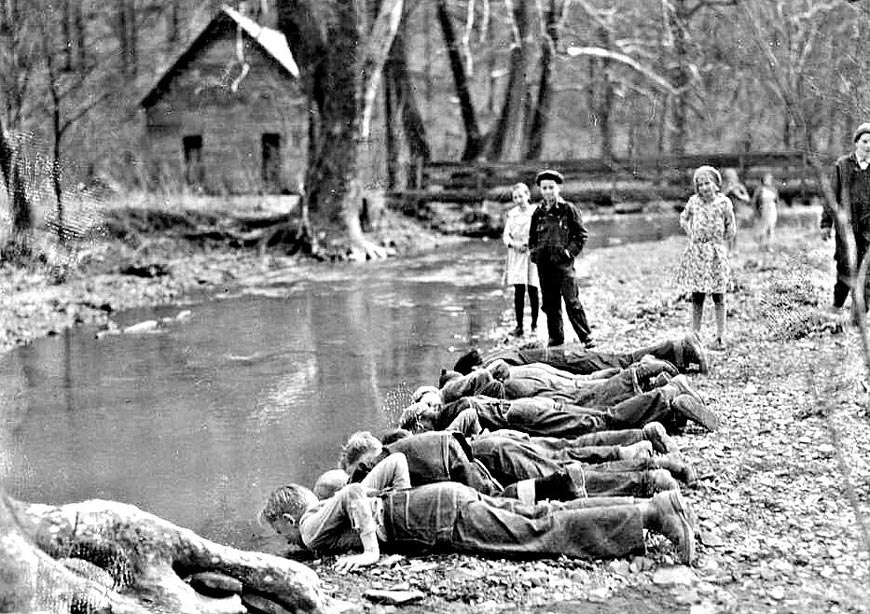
(851, 187)
(557, 235)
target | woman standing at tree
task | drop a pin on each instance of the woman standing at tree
(520, 271)
(708, 219)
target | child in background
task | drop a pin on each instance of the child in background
(739, 195)
(520, 271)
(765, 199)
(704, 268)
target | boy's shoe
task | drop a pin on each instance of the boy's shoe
(681, 469)
(590, 343)
(517, 332)
(661, 480)
(673, 519)
(718, 345)
(688, 406)
(692, 351)
(681, 384)
(661, 442)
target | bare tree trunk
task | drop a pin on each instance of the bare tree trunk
(132, 38)
(80, 29)
(66, 32)
(541, 114)
(173, 24)
(391, 144)
(340, 78)
(682, 77)
(20, 209)
(605, 99)
(412, 120)
(101, 556)
(57, 136)
(504, 141)
(473, 138)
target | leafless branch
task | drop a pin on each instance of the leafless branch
(649, 73)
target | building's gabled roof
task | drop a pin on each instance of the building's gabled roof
(271, 41)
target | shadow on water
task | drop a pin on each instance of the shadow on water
(198, 420)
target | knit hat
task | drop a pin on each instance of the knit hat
(707, 170)
(549, 174)
(862, 129)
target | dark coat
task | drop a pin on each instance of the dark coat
(851, 187)
(557, 235)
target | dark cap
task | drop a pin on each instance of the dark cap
(549, 174)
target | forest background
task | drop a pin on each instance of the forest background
(461, 79)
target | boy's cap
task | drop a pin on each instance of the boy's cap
(862, 129)
(549, 174)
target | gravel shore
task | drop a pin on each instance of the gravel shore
(783, 502)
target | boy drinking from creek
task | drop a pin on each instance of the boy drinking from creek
(447, 516)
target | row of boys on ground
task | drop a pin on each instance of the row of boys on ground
(532, 451)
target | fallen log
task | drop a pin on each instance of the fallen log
(101, 556)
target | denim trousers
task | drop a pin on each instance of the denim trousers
(574, 358)
(545, 417)
(452, 517)
(479, 382)
(511, 461)
(539, 379)
(558, 283)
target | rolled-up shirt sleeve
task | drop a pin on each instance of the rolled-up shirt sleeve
(337, 522)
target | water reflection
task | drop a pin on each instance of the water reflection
(199, 419)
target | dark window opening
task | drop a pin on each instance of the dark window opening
(194, 172)
(271, 146)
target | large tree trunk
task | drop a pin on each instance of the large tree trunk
(340, 75)
(682, 77)
(541, 116)
(473, 138)
(19, 203)
(605, 99)
(505, 140)
(414, 129)
(104, 556)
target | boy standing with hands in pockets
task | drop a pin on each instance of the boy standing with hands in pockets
(556, 236)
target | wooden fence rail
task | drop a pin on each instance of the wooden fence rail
(619, 182)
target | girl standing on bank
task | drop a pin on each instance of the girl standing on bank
(708, 219)
(520, 271)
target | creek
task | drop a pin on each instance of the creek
(200, 418)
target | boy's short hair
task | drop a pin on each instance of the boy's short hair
(358, 444)
(293, 499)
(411, 415)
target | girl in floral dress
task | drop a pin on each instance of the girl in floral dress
(520, 271)
(708, 219)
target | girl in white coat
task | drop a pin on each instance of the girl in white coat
(520, 271)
